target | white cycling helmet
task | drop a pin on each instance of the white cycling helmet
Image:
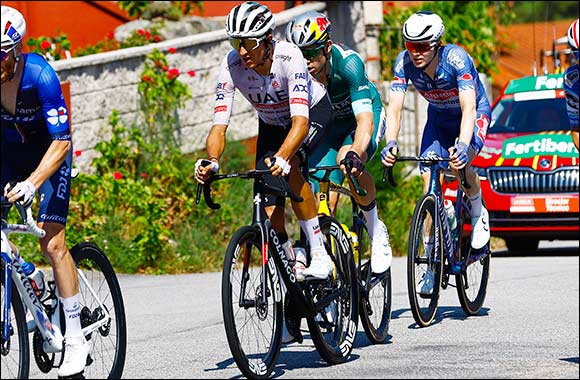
(423, 26)
(309, 29)
(13, 26)
(573, 35)
(249, 19)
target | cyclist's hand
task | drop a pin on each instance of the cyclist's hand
(23, 191)
(389, 153)
(459, 156)
(353, 162)
(204, 168)
(278, 166)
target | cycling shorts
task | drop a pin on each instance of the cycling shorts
(442, 129)
(343, 134)
(271, 138)
(20, 160)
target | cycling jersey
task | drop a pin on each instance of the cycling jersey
(571, 81)
(41, 116)
(455, 73)
(351, 93)
(289, 90)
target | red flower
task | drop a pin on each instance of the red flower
(140, 32)
(117, 175)
(78, 153)
(191, 73)
(144, 175)
(146, 78)
(45, 44)
(164, 68)
(111, 35)
(156, 38)
(147, 34)
(173, 73)
(172, 50)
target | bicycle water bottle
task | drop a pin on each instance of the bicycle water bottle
(354, 239)
(450, 210)
(36, 277)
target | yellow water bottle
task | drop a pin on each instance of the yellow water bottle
(355, 248)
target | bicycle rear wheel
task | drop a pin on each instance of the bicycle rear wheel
(109, 342)
(333, 329)
(15, 351)
(253, 328)
(472, 281)
(375, 293)
(423, 256)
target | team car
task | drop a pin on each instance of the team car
(528, 166)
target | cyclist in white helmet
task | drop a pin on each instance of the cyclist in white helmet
(36, 154)
(571, 81)
(293, 111)
(359, 120)
(458, 113)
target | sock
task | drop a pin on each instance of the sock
(372, 218)
(72, 315)
(475, 201)
(311, 228)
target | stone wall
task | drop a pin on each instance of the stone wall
(101, 83)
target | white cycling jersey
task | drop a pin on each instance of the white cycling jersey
(289, 90)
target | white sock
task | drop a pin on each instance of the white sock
(372, 219)
(72, 315)
(311, 228)
(475, 201)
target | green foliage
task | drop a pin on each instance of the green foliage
(169, 10)
(540, 11)
(51, 48)
(470, 24)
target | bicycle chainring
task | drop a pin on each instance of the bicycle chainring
(44, 361)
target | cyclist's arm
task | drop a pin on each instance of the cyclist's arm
(216, 141)
(51, 161)
(296, 136)
(468, 114)
(394, 114)
(364, 132)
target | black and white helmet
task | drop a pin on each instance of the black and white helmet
(249, 20)
(423, 26)
(13, 26)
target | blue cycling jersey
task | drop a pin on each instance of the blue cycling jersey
(455, 73)
(571, 81)
(41, 117)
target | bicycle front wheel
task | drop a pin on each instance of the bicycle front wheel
(424, 261)
(375, 293)
(108, 342)
(253, 323)
(333, 329)
(15, 349)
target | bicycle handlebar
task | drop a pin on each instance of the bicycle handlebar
(388, 171)
(329, 168)
(29, 225)
(250, 174)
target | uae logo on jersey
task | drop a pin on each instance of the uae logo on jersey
(57, 116)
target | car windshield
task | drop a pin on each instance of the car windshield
(537, 115)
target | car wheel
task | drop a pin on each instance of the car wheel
(522, 245)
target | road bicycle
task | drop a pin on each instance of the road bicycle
(446, 252)
(375, 290)
(256, 272)
(102, 310)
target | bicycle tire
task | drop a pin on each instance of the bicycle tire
(335, 343)
(109, 342)
(375, 292)
(472, 282)
(422, 307)
(255, 351)
(16, 363)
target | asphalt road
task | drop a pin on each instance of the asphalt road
(528, 328)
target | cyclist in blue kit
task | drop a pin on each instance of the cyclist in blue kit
(37, 157)
(571, 81)
(458, 113)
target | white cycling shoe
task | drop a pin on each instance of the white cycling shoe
(480, 234)
(320, 267)
(76, 351)
(426, 285)
(381, 251)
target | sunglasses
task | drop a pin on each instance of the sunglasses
(312, 53)
(419, 47)
(247, 43)
(4, 53)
